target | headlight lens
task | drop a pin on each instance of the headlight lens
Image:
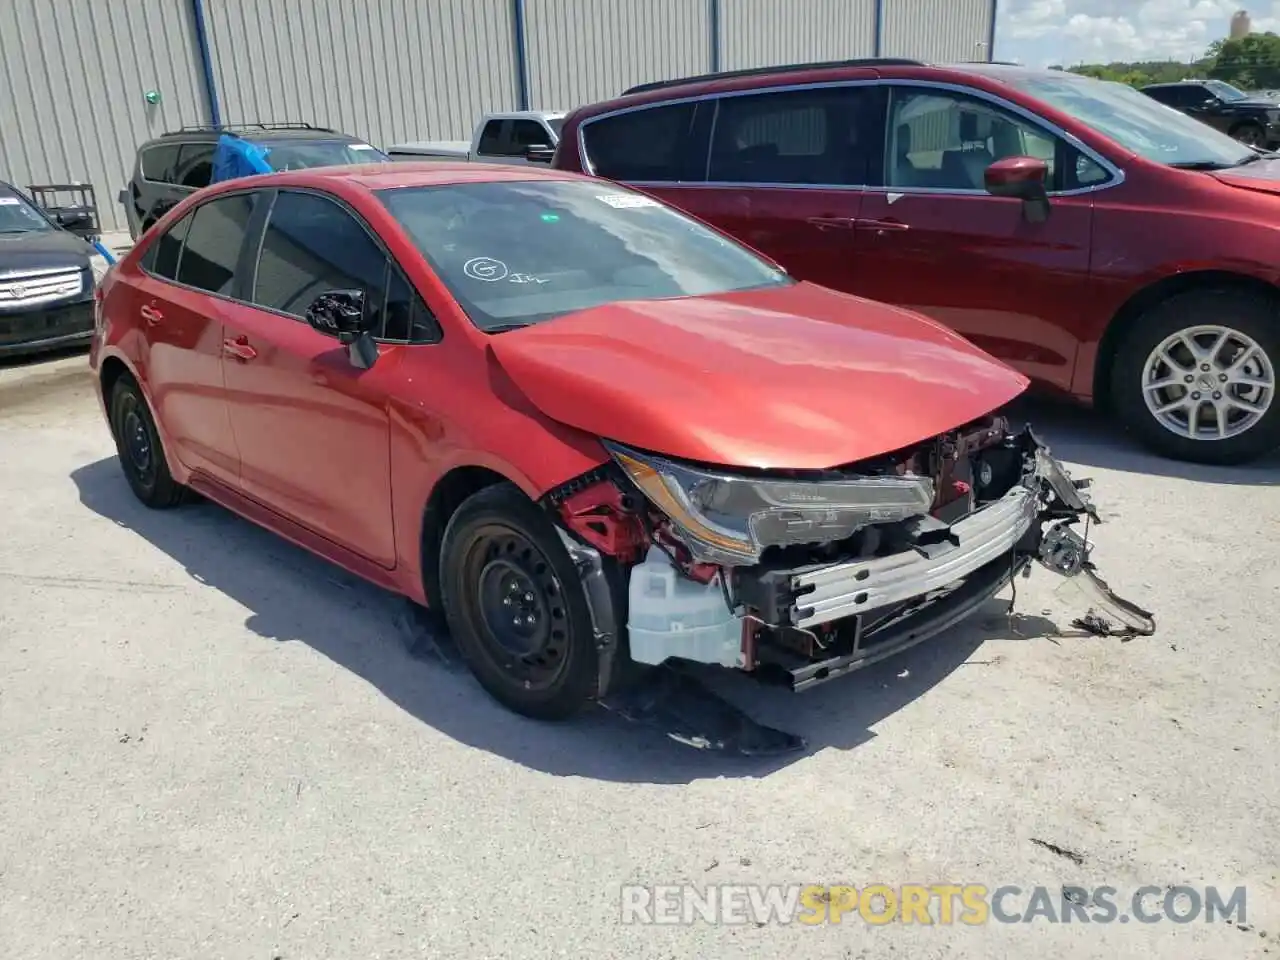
(730, 520)
(98, 266)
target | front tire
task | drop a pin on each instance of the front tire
(1195, 377)
(138, 447)
(516, 607)
(1250, 134)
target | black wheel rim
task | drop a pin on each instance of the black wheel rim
(516, 607)
(138, 451)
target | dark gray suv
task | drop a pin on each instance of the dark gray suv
(182, 161)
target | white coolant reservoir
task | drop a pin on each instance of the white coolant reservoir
(670, 615)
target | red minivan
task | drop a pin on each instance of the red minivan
(1111, 248)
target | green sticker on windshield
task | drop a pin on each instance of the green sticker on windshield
(551, 218)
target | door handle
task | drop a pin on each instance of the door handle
(833, 223)
(151, 315)
(239, 348)
(881, 226)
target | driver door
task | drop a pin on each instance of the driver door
(933, 240)
(311, 427)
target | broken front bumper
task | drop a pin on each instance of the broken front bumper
(913, 595)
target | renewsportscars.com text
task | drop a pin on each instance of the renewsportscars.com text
(927, 904)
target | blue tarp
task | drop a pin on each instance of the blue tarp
(235, 157)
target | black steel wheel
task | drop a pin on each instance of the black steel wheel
(138, 447)
(516, 607)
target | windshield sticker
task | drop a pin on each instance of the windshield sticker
(485, 268)
(9, 201)
(627, 201)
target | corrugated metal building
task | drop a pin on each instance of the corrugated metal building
(75, 74)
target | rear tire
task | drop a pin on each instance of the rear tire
(138, 446)
(516, 607)
(1210, 355)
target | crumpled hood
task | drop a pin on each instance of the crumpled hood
(794, 377)
(1262, 176)
(37, 250)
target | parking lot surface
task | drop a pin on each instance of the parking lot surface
(215, 745)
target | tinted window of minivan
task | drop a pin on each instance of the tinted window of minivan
(823, 135)
(642, 145)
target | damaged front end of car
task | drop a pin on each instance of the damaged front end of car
(803, 576)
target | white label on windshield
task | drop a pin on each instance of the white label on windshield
(361, 146)
(9, 201)
(627, 201)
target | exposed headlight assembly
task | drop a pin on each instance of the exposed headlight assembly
(730, 520)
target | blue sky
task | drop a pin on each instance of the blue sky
(1044, 32)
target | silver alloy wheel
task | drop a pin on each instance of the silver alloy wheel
(1208, 382)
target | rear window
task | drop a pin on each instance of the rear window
(301, 154)
(521, 252)
(158, 162)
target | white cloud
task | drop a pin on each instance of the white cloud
(1043, 32)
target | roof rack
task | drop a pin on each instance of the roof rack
(769, 71)
(235, 128)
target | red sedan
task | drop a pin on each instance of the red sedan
(593, 430)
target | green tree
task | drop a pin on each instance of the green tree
(1250, 62)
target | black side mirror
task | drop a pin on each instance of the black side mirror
(539, 153)
(339, 313)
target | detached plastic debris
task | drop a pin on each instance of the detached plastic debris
(686, 710)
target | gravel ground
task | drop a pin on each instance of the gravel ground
(214, 745)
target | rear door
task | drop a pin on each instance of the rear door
(190, 278)
(933, 240)
(788, 169)
(312, 429)
(781, 170)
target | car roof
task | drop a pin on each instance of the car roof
(812, 73)
(398, 174)
(254, 133)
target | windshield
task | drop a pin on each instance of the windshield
(299, 154)
(1225, 91)
(520, 252)
(1136, 122)
(555, 124)
(18, 216)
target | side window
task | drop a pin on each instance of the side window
(1166, 95)
(528, 133)
(161, 257)
(406, 318)
(213, 243)
(158, 162)
(817, 136)
(944, 140)
(312, 245)
(642, 145)
(195, 165)
(491, 139)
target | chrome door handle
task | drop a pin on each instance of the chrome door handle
(882, 226)
(239, 348)
(151, 315)
(833, 223)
